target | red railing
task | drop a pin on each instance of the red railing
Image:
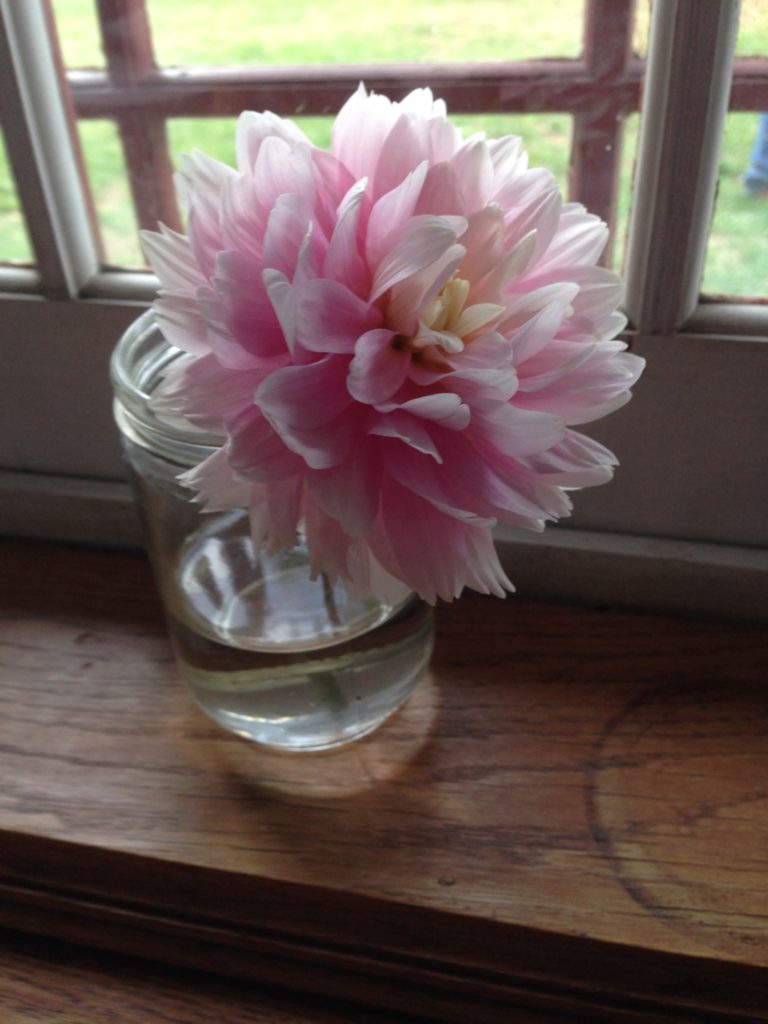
(599, 90)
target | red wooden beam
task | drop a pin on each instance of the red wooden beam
(529, 87)
(597, 129)
(127, 40)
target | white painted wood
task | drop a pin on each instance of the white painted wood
(690, 61)
(691, 442)
(41, 153)
(577, 566)
(729, 319)
(90, 512)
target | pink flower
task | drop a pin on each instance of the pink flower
(396, 337)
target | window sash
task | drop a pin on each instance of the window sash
(40, 140)
(702, 398)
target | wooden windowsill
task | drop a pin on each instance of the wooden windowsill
(567, 822)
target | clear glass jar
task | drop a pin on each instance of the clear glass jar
(267, 652)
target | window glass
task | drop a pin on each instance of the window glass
(631, 130)
(79, 35)
(641, 27)
(308, 32)
(14, 242)
(753, 29)
(737, 253)
(111, 193)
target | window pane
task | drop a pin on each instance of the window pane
(79, 33)
(753, 29)
(308, 32)
(626, 181)
(111, 193)
(14, 242)
(641, 27)
(737, 255)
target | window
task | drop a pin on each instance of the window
(688, 442)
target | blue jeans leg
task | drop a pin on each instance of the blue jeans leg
(756, 178)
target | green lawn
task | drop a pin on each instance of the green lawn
(304, 31)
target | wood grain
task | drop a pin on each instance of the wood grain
(42, 982)
(569, 819)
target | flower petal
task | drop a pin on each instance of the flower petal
(423, 241)
(378, 368)
(330, 317)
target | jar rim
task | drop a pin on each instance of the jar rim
(139, 362)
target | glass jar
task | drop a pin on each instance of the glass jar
(267, 652)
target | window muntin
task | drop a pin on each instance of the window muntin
(561, 106)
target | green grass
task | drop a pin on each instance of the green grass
(305, 31)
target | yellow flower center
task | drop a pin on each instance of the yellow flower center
(443, 312)
(449, 324)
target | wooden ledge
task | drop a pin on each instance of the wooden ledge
(567, 822)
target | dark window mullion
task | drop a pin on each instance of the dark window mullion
(598, 124)
(127, 39)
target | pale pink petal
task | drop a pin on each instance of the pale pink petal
(592, 390)
(440, 194)
(246, 308)
(201, 183)
(514, 431)
(360, 129)
(349, 492)
(406, 146)
(541, 216)
(474, 173)
(508, 157)
(409, 297)
(289, 225)
(289, 400)
(200, 179)
(329, 546)
(391, 213)
(433, 551)
(577, 461)
(183, 323)
(218, 487)
(331, 318)
(243, 216)
(274, 514)
(378, 368)
(470, 480)
(580, 239)
(421, 243)
(482, 385)
(283, 168)
(256, 451)
(333, 180)
(170, 256)
(447, 409)
(204, 392)
(408, 429)
(282, 296)
(344, 261)
(253, 128)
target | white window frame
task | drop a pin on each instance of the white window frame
(682, 526)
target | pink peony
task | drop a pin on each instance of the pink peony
(396, 337)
